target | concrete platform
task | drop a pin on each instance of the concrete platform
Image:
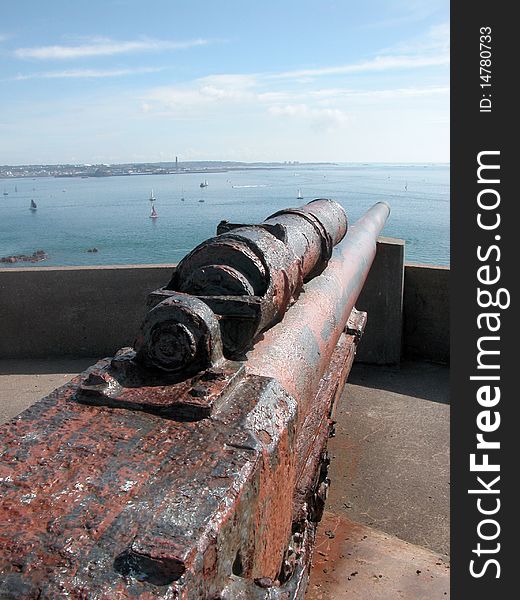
(390, 464)
(385, 535)
(23, 382)
(356, 562)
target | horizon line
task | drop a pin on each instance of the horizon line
(271, 162)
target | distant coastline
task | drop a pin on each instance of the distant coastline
(159, 168)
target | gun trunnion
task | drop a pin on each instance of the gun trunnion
(194, 464)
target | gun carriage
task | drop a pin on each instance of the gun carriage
(194, 464)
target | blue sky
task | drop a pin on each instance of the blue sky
(128, 81)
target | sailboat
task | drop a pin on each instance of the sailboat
(33, 206)
(152, 197)
(406, 186)
(15, 188)
(204, 184)
(153, 214)
(182, 197)
(300, 195)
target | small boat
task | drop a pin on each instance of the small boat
(300, 195)
(153, 214)
(204, 184)
(152, 197)
(6, 193)
(202, 200)
(33, 206)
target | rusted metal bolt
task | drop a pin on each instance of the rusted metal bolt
(95, 379)
(198, 391)
(172, 345)
(264, 582)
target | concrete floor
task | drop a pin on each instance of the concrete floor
(390, 457)
(23, 382)
(357, 562)
(385, 534)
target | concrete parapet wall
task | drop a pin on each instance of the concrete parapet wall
(94, 311)
(426, 314)
(73, 311)
(382, 299)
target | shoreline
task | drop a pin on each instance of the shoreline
(171, 170)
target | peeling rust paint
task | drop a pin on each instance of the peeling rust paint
(170, 471)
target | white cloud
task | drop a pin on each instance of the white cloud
(230, 93)
(332, 94)
(104, 47)
(228, 87)
(408, 11)
(328, 119)
(231, 80)
(201, 94)
(379, 63)
(429, 50)
(435, 40)
(87, 73)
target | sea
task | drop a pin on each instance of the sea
(112, 214)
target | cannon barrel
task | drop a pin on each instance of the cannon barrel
(312, 231)
(297, 350)
(171, 471)
(249, 275)
(246, 259)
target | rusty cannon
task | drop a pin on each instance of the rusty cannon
(193, 465)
